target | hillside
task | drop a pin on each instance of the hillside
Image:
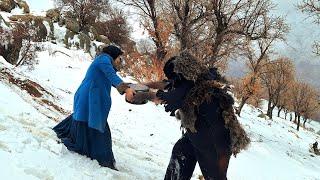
(34, 99)
(142, 135)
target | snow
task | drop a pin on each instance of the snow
(143, 135)
(277, 151)
(39, 7)
(28, 139)
(59, 32)
(5, 63)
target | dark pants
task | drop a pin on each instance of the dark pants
(213, 156)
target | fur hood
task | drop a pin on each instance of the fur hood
(189, 66)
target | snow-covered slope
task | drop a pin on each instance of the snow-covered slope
(143, 135)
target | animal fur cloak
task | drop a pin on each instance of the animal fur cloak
(208, 90)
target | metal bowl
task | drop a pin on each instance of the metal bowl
(139, 87)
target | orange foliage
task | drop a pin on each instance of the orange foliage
(160, 32)
(251, 85)
(144, 68)
(164, 29)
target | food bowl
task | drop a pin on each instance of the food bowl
(141, 94)
(139, 87)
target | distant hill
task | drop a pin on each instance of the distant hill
(298, 46)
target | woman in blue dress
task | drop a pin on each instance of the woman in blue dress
(86, 131)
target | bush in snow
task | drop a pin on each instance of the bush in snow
(7, 5)
(5, 39)
(115, 30)
(53, 14)
(23, 5)
(32, 22)
(17, 45)
(144, 67)
(27, 53)
(84, 12)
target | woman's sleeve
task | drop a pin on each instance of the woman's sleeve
(107, 68)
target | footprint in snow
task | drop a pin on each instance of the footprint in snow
(2, 128)
(4, 147)
(41, 174)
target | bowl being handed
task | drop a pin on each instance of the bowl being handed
(141, 96)
(139, 87)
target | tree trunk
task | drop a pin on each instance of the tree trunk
(279, 111)
(269, 111)
(298, 124)
(290, 116)
(295, 117)
(243, 102)
(304, 122)
(24, 55)
(161, 52)
(285, 114)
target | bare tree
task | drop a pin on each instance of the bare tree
(115, 28)
(151, 19)
(188, 19)
(256, 52)
(311, 105)
(250, 86)
(312, 7)
(145, 46)
(86, 12)
(304, 100)
(215, 30)
(284, 101)
(233, 22)
(276, 77)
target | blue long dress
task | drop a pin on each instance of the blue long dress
(86, 131)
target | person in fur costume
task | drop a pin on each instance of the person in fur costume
(198, 97)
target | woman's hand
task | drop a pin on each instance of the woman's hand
(129, 94)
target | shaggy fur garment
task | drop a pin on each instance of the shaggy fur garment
(189, 66)
(206, 90)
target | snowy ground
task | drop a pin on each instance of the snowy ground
(143, 135)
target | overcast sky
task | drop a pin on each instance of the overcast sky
(300, 39)
(302, 34)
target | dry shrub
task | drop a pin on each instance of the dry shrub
(255, 101)
(24, 34)
(115, 29)
(84, 12)
(144, 68)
